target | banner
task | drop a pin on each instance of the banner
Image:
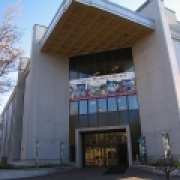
(102, 86)
(142, 150)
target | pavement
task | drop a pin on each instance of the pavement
(97, 174)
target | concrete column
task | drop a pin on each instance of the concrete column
(48, 105)
(156, 70)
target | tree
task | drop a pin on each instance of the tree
(166, 165)
(10, 35)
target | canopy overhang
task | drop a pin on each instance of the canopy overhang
(89, 26)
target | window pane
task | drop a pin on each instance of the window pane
(134, 117)
(92, 106)
(83, 107)
(73, 108)
(103, 119)
(102, 105)
(73, 75)
(83, 75)
(83, 121)
(124, 118)
(93, 120)
(113, 119)
(122, 104)
(112, 104)
(133, 103)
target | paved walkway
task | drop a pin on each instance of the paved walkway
(96, 174)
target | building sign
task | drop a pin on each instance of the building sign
(102, 86)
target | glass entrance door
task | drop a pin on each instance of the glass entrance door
(110, 157)
(105, 149)
(94, 156)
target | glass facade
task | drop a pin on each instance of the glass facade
(108, 111)
(104, 63)
(105, 149)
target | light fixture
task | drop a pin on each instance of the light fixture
(116, 67)
(96, 73)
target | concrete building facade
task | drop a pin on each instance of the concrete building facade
(149, 40)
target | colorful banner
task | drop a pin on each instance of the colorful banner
(102, 86)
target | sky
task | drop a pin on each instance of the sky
(42, 11)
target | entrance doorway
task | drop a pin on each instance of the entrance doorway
(105, 149)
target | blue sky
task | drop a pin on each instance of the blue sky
(42, 11)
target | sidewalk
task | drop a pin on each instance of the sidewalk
(97, 174)
(72, 173)
(23, 173)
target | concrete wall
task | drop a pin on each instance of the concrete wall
(25, 118)
(12, 117)
(177, 52)
(18, 109)
(171, 16)
(47, 107)
(8, 119)
(156, 69)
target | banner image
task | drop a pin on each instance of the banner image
(102, 86)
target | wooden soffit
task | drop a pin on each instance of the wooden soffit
(80, 28)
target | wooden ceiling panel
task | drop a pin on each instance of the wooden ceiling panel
(88, 30)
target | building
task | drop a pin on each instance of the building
(12, 115)
(101, 76)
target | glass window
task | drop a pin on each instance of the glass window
(73, 108)
(83, 121)
(92, 106)
(122, 104)
(83, 75)
(132, 101)
(134, 117)
(112, 104)
(83, 107)
(93, 120)
(102, 105)
(124, 118)
(103, 119)
(73, 75)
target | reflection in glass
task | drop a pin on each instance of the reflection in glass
(73, 108)
(122, 104)
(105, 149)
(109, 62)
(92, 106)
(130, 69)
(133, 103)
(83, 107)
(83, 121)
(73, 75)
(102, 105)
(103, 119)
(83, 75)
(124, 118)
(112, 104)
(93, 120)
(134, 117)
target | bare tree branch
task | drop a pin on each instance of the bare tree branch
(10, 35)
(10, 50)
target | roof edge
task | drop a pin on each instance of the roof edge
(105, 5)
(146, 3)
